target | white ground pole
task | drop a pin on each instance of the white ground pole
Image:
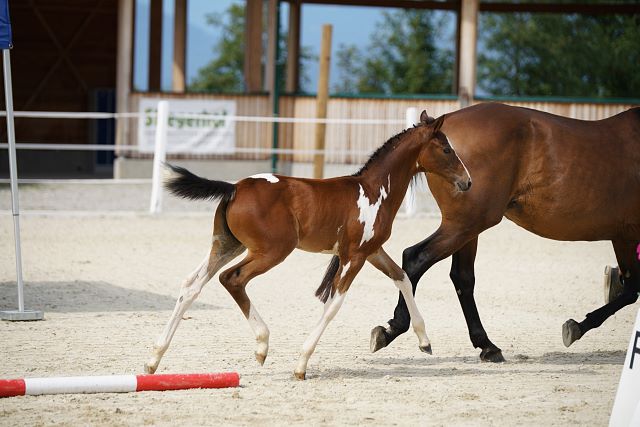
(159, 156)
(21, 313)
(411, 118)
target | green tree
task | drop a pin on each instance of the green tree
(403, 56)
(225, 73)
(562, 55)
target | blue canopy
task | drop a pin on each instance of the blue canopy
(5, 25)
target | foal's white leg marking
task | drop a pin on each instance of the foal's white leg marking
(417, 321)
(331, 307)
(268, 176)
(189, 291)
(261, 332)
(369, 212)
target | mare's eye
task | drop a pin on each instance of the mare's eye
(447, 150)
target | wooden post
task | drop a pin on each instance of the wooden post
(467, 63)
(321, 100)
(253, 45)
(293, 47)
(155, 45)
(179, 45)
(271, 72)
(123, 66)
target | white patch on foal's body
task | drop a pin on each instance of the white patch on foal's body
(268, 176)
(369, 212)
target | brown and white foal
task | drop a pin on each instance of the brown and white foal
(350, 217)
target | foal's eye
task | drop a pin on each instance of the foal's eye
(447, 150)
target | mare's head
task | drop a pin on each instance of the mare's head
(437, 156)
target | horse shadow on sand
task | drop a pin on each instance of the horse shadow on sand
(87, 297)
(406, 367)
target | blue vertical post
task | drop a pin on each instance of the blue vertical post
(5, 45)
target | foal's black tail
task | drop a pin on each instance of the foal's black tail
(326, 287)
(185, 184)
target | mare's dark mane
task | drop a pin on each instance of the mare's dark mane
(382, 150)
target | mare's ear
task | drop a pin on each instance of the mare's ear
(438, 123)
(424, 118)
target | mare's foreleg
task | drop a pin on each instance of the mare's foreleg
(630, 268)
(416, 260)
(223, 250)
(344, 276)
(463, 278)
(383, 262)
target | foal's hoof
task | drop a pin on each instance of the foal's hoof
(150, 369)
(491, 354)
(300, 375)
(570, 332)
(378, 339)
(261, 358)
(426, 349)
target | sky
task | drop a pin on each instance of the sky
(351, 25)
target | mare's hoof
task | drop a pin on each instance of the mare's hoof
(300, 375)
(426, 349)
(378, 339)
(491, 354)
(570, 332)
(150, 369)
(612, 285)
(261, 358)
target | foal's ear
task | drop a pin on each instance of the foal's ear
(424, 118)
(438, 123)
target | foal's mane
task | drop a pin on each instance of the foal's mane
(382, 150)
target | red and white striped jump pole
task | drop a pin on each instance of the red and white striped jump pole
(116, 383)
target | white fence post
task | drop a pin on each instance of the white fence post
(409, 203)
(159, 156)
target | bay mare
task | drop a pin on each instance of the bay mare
(350, 217)
(560, 178)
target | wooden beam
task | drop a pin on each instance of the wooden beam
(322, 99)
(155, 45)
(253, 46)
(269, 74)
(293, 48)
(568, 8)
(401, 4)
(589, 9)
(179, 45)
(124, 65)
(468, 39)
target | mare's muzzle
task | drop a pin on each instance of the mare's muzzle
(464, 184)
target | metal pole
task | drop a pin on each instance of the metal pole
(21, 314)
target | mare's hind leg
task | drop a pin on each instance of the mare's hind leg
(463, 278)
(235, 280)
(630, 267)
(224, 248)
(383, 262)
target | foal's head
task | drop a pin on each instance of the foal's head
(437, 156)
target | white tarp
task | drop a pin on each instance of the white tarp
(198, 135)
(626, 408)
